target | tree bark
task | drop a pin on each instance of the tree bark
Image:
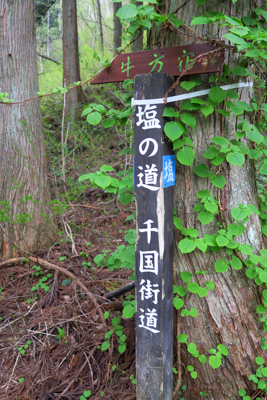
(70, 56)
(99, 23)
(117, 32)
(23, 170)
(138, 43)
(227, 315)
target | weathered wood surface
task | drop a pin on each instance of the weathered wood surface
(154, 246)
(172, 61)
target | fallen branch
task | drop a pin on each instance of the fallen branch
(48, 58)
(48, 265)
(121, 290)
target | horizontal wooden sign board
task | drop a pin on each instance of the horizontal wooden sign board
(173, 61)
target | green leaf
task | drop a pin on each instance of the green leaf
(199, 2)
(259, 360)
(212, 152)
(218, 181)
(86, 111)
(253, 209)
(240, 71)
(194, 374)
(222, 241)
(222, 349)
(203, 193)
(235, 39)
(191, 348)
(201, 245)
(122, 348)
(216, 94)
(193, 287)
(200, 20)
(223, 112)
(125, 198)
(238, 214)
(102, 181)
(106, 168)
(105, 346)
(108, 122)
(182, 338)
(263, 276)
(128, 311)
(232, 94)
(221, 266)
(170, 112)
(215, 361)
(187, 85)
(94, 118)
(255, 136)
(178, 303)
(126, 12)
(202, 170)
(242, 392)
(210, 285)
(186, 155)
(179, 290)
(207, 110)
(174, 130)
(87, 393)
(261, 384)
(211, 206)
(202, 292)
(221, 141)
(193, 312)
(186, 246)
(175, 21)
(205, 217)
(202, 359)
(235, 159)
(261, 309)
(189, 119)
(186, 276)
(263, 169)
(264, 229)
(177, 223)
(236, 263)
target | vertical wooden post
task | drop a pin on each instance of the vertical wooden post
(154, 179)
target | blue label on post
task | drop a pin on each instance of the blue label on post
(168, 169)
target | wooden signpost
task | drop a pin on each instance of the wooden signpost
(172, 61)
(154, 180)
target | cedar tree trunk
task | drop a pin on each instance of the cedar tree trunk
(70, 56)
(227, 315)
(23, 169)
(117, 31)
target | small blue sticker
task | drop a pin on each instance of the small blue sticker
(168, 169)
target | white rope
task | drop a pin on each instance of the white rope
(188, 95)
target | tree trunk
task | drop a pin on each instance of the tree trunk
(99, 23)
(138, 43)
(117, 32)
(70, 56)
(23, 169)
(227, 315)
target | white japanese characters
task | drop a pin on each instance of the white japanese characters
(149, 261)
(148, 117)
(169, 172)
(148, 230)
(149, 320)
(150, 176)
(149, 291)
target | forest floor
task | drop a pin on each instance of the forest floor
(52, 333)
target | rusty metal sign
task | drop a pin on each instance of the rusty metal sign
(195, 59)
